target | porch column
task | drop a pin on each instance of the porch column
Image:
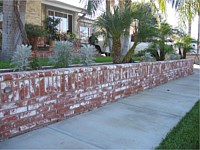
(76, 25)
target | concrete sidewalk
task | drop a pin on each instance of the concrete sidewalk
(137, 122)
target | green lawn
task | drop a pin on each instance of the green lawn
(4, 64)
(45, 62)
(186, 134)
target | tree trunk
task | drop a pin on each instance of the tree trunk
(116, 51)
(9, 26)
(128, 57)
(184, 54)
(162, 53)
(22, 11)
(179, 52)
(11, 35)
(110, 5)
(126, 39)
(125, 44)
(189, 28)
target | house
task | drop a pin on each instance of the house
(38, 11)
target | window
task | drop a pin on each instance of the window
(65, 20)
(84, 33)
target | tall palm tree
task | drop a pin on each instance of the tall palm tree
(187, 9)
(192, 10)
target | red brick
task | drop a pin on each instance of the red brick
(9, 119)
(43, 121)
(35, 106)
(27, 126)
(49, 114)
(42, 90)
(28, 114)
(63, 110)
(21, 90)
(36, 118)
(18, 110)
(7, 77)
(5, 134)
(5, 127)
(21, 122)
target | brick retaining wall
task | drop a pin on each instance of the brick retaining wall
(38, 98)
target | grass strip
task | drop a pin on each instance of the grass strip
(185, 135)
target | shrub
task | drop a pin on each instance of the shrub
(34, 63)
(172, 56)
(62, 56)
(148, 57)
(87, 55)
(20, 57)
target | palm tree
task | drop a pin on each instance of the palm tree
(184, 43)
(115, 25)
(187, 9)
(190, 12)
(164, 31)
(144, 28)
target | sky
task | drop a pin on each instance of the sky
(171, 15)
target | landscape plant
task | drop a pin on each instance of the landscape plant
(164, 31)
(172, 56)
(34, 63)
(184, 43)
(51, 24)
(33, 32)
(87, 55)
(114, 25)
(21, 57)
(62, 54)
(144, 28)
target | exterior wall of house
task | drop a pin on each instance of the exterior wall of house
(33, 12)
(29, 100)
(45, 9)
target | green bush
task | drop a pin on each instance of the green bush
(87, 55)
(20, 57)
(34, 30)
(62, 56)
(34, 63)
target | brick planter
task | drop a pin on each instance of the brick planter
(29, 100)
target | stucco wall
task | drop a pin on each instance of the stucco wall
(34, 12)
(32, 99)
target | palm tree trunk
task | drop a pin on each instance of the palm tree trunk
(128, 57)
(189, 27)
(126, 39)
(116, 51)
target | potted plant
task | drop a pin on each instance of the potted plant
(33, 33)
(52, 30)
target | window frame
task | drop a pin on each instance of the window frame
(54, 11)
